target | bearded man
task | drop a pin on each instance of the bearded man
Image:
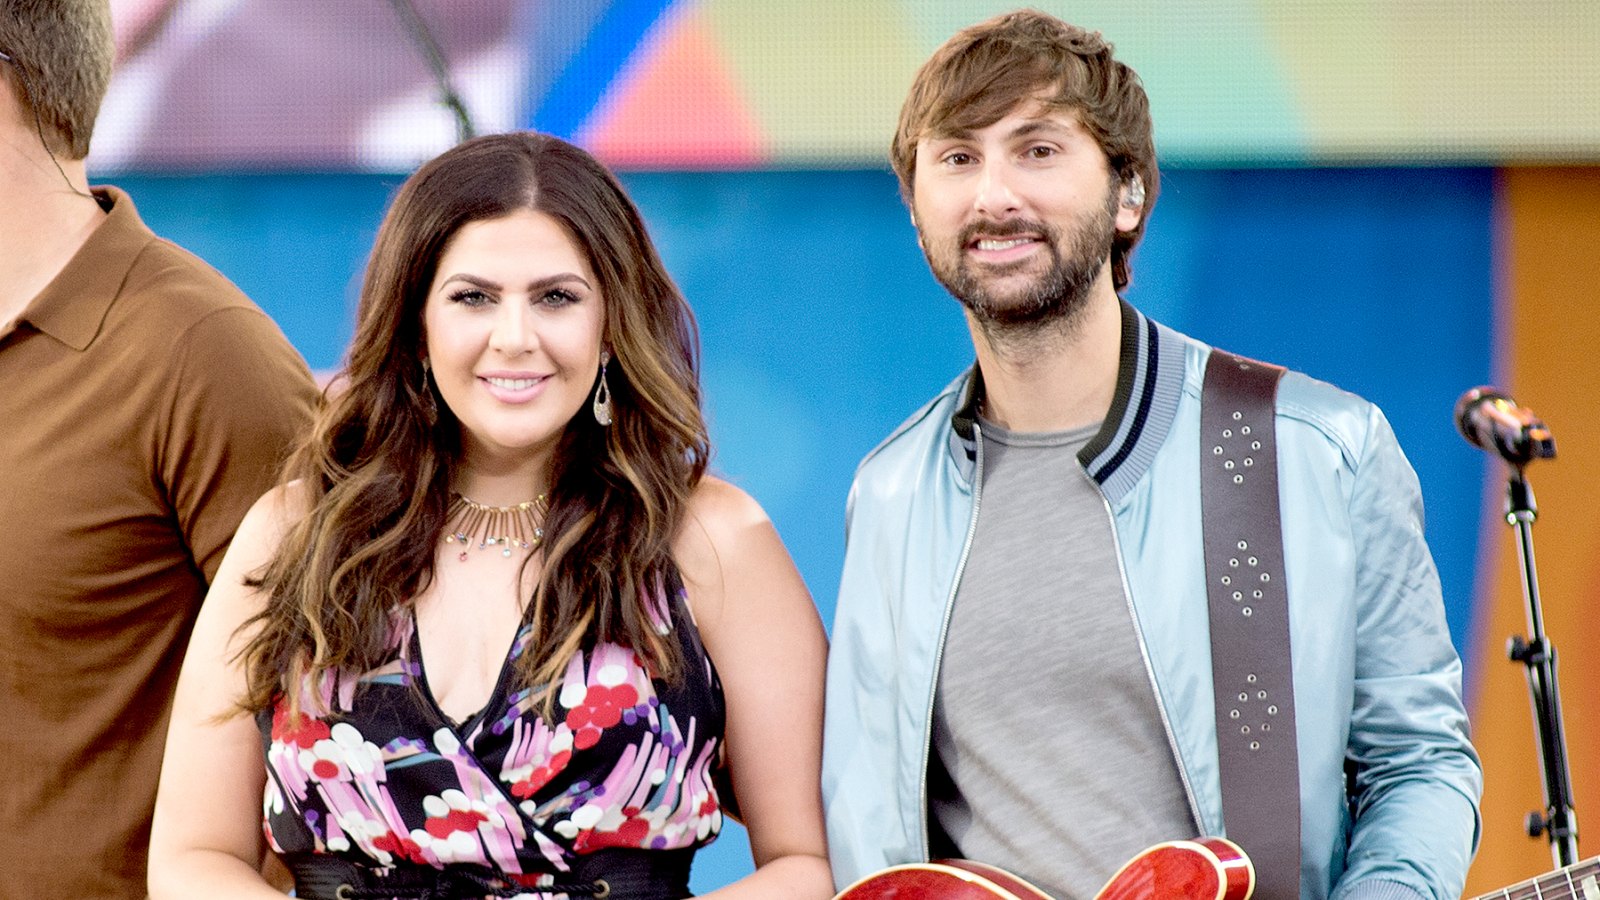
(1021, 672)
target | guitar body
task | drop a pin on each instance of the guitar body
(1204, 869)
(942, 879)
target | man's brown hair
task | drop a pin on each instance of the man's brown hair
(65, 50)
(987, 70)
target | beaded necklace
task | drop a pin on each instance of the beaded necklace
(504, 527)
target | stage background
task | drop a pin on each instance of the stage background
(1401, 199)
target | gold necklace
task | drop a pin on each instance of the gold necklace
(505, 527)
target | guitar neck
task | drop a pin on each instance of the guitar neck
(1579, 881)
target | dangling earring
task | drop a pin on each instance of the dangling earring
(602, 393)
(430, 406)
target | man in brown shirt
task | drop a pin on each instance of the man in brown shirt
(144, 404)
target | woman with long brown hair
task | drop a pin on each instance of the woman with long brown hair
(499, 634)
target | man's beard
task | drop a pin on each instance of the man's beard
(1059, 294)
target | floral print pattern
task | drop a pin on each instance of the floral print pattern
(384, 778)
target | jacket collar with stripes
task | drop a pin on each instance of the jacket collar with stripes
(1149, 383)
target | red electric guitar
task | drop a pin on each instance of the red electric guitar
(1204, 869)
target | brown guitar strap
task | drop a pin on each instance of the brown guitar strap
(1249, 605)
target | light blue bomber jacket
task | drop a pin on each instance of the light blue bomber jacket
(1376, 678)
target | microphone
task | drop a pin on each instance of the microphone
(1492, 421)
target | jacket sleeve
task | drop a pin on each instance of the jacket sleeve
(873, 731)
(851, 770)
(1418, 780)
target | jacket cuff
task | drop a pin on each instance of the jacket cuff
(1380, 889)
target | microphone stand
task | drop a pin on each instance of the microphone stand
(1558, 821)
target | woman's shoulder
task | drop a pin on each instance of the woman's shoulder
(720, 506)
(722, 528)
(264, 526)
(278, 510)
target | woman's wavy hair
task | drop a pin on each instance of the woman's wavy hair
(376, 467)
(987, 70)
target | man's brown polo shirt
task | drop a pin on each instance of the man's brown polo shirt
(145, 404)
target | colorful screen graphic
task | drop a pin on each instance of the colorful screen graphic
(352, 85)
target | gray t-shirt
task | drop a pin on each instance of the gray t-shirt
(1050, 759)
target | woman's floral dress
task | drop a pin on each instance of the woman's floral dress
(387, 779)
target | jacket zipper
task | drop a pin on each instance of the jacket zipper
(944, 628)
(1149, 669)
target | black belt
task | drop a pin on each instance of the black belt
(612, 874)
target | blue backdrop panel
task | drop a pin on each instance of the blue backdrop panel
(822, 329)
